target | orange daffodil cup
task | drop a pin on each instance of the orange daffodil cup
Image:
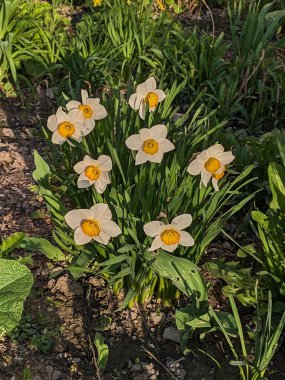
(94, 172)
(146, 94)
(169, 236)
(92, 224)
(211, 163)
(151, 144)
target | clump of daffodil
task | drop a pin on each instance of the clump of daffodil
(94, 172)
(146, 95)
(211, 163)
(92, 224)
(151, 144)
(97, 3)
(90, 108)
(66, 125)
(169, 236)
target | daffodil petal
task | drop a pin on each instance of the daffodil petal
(100, 112)
(159, 131)
(80, 238)
(52, 123)
(225, 157)
(57, 138)
(84, 96)
(102, 238)
(215, 184)
(156, 244)
(72, 104)
(100, 185)
(141, 90)
(101, 211)
(155, 158)
(195, 167)
(165, 145)
(79, 167)
(153, 228)
(150, 84)
(169, 248)
(215, 149)
(146, 133)
(134, 142)
(205, 177)
(74, 218)
(110, 228)
(141, 157)
(61, 116)
(182, 221)
(142, 110)
(186, 240)
(105, 162)
(161, 95)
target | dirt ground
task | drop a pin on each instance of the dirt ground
(61, 316)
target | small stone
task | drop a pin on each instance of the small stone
(120, 329)
(171, 333)
(181, 372)
(157, 318)
(152, 377)
(227, 245)
(56, 375)
(141, 376)
(136, 368)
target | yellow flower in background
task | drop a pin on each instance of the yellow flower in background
(146, 94)
(92, 224)
(211, 163)
(169, 236)
(97, 3)
(94, 172)
(160, 5)
(65, 125)
(151, 144)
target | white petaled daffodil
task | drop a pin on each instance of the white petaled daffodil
(90, 108)
(146, 94)
(211, 163)
(65, 125)
(92, 224)
(151, 144)
(94, 172)
(169, 236)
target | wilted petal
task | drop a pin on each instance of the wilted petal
(182, 221)
(153, 228)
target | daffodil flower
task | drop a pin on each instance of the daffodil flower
(92, 224)
(97, 3)
(151, 144)
(90, 108)
(94, 172)
(211, 163)
(65, 125)
(146, 94)
(169, 236)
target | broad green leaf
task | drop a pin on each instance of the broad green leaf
(183, 273)
(42, 172)
(276, 176)
(103, 351)
(44, 246)
(16, 281)
(11, 243)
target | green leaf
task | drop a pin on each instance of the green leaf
(103, 351)
(276, 176)
(42, 172)
(16, 281)
(11, 243)
(183, 273)
(44, 246)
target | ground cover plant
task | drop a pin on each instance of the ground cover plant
(165, 140)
